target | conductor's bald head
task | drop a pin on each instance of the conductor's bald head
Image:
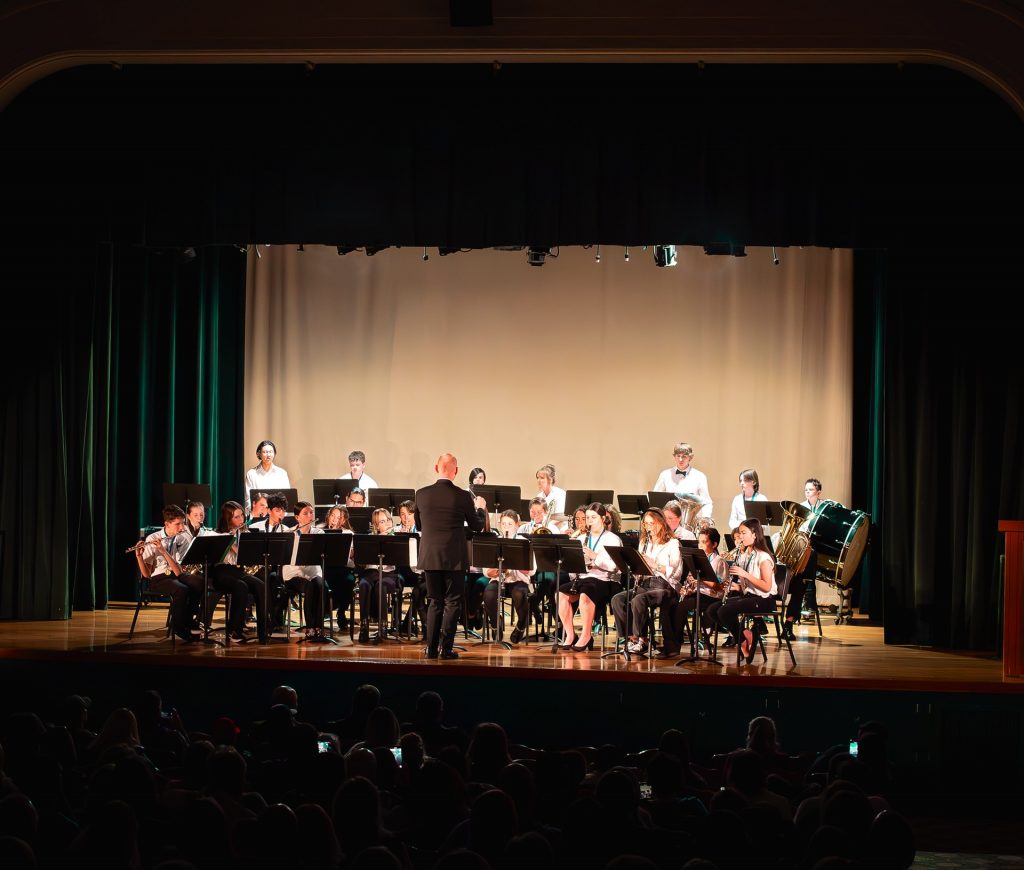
(447, 466)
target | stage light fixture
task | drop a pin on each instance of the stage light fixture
(374, 249)
(344, 249)
(665, 255)
(188, 254)
(425, 256)
(537, 256)
(626, 258)
(725, 249)
(597, 256)
(301, 249)
(444, 252)
(775, 257)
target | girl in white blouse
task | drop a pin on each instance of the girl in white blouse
(750, 490)
(753, 588)
(594, 588)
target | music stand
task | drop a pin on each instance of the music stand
(553, 553)
(310, 550)
(386, 497)
(660, 499)
(577, 497)
(631, 563)
(182, 493)
(337, 547)
(776, 513)
(290, 495)
(359, 519)
(756, 510)
(202, 551)
(381, 550)
(332, 490)
(698, 564)
(730, 543)
(266, 549)
(633, 504)
(496, 496)
(487, 551)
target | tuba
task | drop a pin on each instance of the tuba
(691, 510)
(793, 548)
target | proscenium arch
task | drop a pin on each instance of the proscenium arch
(983, 39)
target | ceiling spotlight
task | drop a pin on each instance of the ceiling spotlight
(301, 249)
(597, 257)
(665, 255)
(444, 252)
(344, 249)
(537, 256)
(371, 249)
(188, 255)
(425, 256)
(259, 256)
(627, 253)
(775, 257)
(726, 249)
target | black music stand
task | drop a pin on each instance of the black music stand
(389, 497)
(498, 496)
(266, 549)
(381, 550)
(776, 513)
(290, 495)
(576, 497)
(697, 563)
(359, 519)
(332, 490)
(182, 493)
(660, 499)
(553, 553)
(337, 546)
(488, 551)
(202, 551)
(756, 510)
(311, 550)
(631, 563)
(634, 504)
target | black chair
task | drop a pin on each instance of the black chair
(144, 596)
(777, 615)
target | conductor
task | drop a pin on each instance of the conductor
(443, 511)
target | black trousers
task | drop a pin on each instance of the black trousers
(520, 595)
(727, 613)
(186, 593)
(444, 597)
(232, 580)
(673, 617)
(368, 594)
(643, 598)
(797, 587)
(341, 582)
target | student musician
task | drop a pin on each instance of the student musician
(518, 584)
(308, 579)
(579, 522)
(753, 588)
(674, 615)
(411, 577)
(592, 589)
(684, 479)
(750, 490)
(227, 573)
(661, 553)
(157, 558)
(265, 476)
(355, 498)
(277, 507)
(357, 471)
(538, 519)
(259, 508)
(798, 583)
(369, 593)
(340, 578)
(226, 583)
(553, 496)
(673, 511)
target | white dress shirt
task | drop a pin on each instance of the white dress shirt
(752, 562)
(604, 567)
(666, 561)
(691, 482)
(739, 513)
(365, 481)
(306, 571)
(154, 559)
(265, 481)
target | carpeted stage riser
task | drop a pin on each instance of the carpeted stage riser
(973, 739)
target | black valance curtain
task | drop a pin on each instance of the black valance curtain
(128, 374)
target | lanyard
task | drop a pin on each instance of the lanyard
(591, 543)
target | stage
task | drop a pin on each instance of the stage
(851, 656)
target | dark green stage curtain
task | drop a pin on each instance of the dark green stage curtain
(952, 443)
(128, 373)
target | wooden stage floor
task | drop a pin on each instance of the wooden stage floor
(847, 656)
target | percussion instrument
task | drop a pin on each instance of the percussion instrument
(840, 536)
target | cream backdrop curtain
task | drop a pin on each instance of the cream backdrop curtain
(597, 368)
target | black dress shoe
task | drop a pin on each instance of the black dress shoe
(729, 641)
(430, 653)
(667, 654)
(516, 636)
(449, 654)
(787, 631)
(364, 634)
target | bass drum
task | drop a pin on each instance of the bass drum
(840, 536)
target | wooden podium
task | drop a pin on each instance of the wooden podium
(1013, 599)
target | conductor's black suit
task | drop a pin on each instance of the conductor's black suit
(443, 511)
